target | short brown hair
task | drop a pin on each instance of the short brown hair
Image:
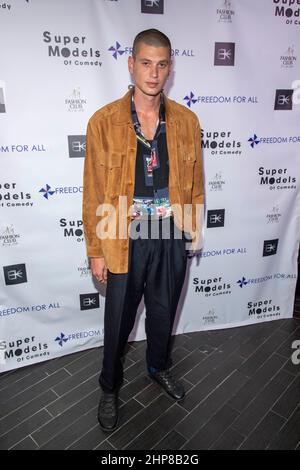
(152, 37)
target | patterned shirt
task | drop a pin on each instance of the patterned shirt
(151, 191)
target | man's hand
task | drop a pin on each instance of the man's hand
(99, 269)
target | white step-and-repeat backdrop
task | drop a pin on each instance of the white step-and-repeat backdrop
(237, 66)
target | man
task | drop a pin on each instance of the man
(144, 149)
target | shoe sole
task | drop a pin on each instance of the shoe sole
(109, 430)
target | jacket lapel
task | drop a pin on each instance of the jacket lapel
(172, 135)
(124, 118)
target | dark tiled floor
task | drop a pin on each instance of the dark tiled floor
(243, 393)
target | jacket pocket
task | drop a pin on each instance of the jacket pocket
(114, 165)
(114, 159)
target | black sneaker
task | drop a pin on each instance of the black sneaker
(168, 383)
(108, 411)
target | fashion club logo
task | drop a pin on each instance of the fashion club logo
(276, 178)
(288, 59)
(84, 269)
(15, 274)
(288, 10)
(152, 6)
(220, 143)
(9, 237)
(225, 12)
(75, 102)
(283, 100)
(274, 216)
(77, 146)
(224, 53)
(11, 197)
(72, 50)
(210, 318)
(72, 228)
(215, 218)
(212, 286)
(216, 183)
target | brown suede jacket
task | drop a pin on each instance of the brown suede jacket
(109, 172)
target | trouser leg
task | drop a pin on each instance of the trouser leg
(156, 268)
(164, 282)
(123, 295)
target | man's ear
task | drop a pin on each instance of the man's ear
(130, 64)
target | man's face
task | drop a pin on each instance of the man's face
(150, 68)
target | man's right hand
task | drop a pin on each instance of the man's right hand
(99, 269)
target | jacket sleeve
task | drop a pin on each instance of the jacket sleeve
(198, 184)
(198, 197)
(93, 192)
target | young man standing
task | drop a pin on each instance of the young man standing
(143, 149)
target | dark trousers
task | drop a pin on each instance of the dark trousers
(157, 268)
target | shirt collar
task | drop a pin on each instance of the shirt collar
(134, 116)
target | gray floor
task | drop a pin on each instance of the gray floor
(243, 393)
